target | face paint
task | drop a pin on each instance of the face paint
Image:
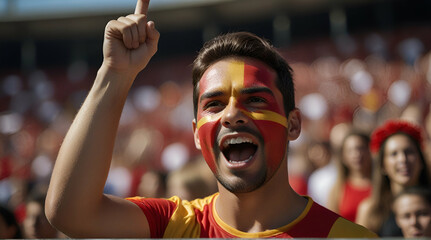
(207, 131)
(237, 78)
(272, 122)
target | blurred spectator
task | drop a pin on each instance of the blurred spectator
(411, 49)
(299, 169)
(428, 140)
(36, 224)
(193, 180)
(353, 182)
(152, 185)
(323, 177)
(412, 208)
(399, 164)
(9, 227)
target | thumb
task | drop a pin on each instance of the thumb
(152, 36)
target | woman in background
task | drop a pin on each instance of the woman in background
(400, 163)
(353, 183)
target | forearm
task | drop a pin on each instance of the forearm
(83, 161)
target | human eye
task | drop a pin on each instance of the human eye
(256, 101)
(424, 213)
(405, 216)
(213, 106)
(410, 151)
(393, 153)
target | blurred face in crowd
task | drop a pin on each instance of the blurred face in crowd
(356, 155)
(241, 124)
(413, 215)
(6, 231)
(35, 223)
(319, 155)
(401, 161)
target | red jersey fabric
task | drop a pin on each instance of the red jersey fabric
(175, 218)
(351, 198)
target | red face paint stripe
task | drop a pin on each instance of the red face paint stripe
(207, 138)
(257, 76)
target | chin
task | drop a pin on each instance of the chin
(241, 185)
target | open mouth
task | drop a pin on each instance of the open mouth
(239, 149)
(405, 171)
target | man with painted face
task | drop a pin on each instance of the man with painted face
(245, 116)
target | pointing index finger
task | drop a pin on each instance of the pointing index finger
(142, 7)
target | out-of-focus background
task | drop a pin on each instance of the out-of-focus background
(356, 63)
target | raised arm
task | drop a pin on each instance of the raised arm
(75, 202)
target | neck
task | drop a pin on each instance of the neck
(269, 207)
(397, 188)
(359, 178)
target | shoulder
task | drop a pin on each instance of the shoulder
(364, 207)
(343, 228)
(155, 204)
(174, 217)
(332, 225)
(172, 205)
(190, 218)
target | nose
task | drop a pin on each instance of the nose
(402, 157)
(232, 115)
(413, 220)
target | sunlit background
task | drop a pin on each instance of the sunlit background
(356, 62)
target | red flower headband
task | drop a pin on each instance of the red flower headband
(391, 127)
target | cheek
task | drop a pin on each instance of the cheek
(207, 138)
(387, 164)
(425, 221)
(275, 139)
(417, 163)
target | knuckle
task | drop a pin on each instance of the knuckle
(110, 23)
(142, 19)
(128, 27)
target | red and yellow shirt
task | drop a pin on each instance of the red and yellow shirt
(176, 218)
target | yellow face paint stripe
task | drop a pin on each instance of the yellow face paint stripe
(267, 116)
(236, 72)
(206, 119)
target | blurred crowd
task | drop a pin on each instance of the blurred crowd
(336, 95)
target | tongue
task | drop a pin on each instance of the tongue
(240, 152)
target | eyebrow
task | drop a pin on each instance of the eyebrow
(257, 90)
(251, 90)
(210, 95)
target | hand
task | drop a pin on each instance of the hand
(130, 41)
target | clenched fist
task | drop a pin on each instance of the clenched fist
(130, 41)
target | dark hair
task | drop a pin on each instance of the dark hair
(381, 196)
(10, 220)
(384, 182)
(354, 133)
(244, 44)
(423, 192)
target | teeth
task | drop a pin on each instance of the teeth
(237, 140)
(243, 161)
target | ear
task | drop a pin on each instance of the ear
(196, 135)
(294, 124)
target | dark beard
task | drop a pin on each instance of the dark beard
(243, 185)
